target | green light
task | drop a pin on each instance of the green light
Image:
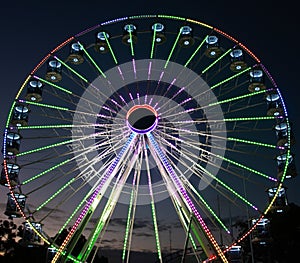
(251, 118)
(131, 44)
(230, 78)
(172, 17)
(46, 171)
(72, 70)
(252, 142)
(238, 97)
(225, 185)
(44, 148)
(218, 59)
(46, 126)
(10, 113)
(247, 168)
(127, 226)
(172, 50)
(91, 59)
(153, 41)
(53, 85)
(155, 229)
(55, 194)
(192, 56)
(208, 207)
(110, 49)
(45, 105)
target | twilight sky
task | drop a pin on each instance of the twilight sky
(30, 29)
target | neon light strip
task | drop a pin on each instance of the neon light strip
(152, 203)
(91, 59)
(71, 69)
(55, 194)
(172, 50)
(131, 44)
(199, 23)
(206, 205)
(215, 61)
(180, 187)
(110, 49)
(44, 105)
(53, 85)
(195, 52)
(252, 142)
(127, 225)
(13, 104)
(237, 98)
(230, 78)
(153, 42)
(46, 171)
(44, 148)
(171, 17)
(253, 118)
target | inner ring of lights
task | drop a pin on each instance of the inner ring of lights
(142, 118)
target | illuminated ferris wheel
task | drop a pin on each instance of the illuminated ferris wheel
(149, 116)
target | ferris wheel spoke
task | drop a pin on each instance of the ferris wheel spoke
(92, 60)
(152, 203)
(94, 201)
(216, 60)
(186, 142)
(181, 189)
(110, 205)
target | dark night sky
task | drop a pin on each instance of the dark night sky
(30, 29)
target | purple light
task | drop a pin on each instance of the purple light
(134, 69)
(149, 69)
(121, 73)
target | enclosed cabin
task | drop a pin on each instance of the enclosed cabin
(234, 254)
(15, 202)
(237, 60)
(101, 44)
(129, 34)
(274, 104)
(186, 37)
(34, 90)
(261, 234)
(213, 49)
(30, 234)
(20, 115)
(285, 137)
(280, 203)
(286, 166)
(54, 70)
(76, 54)
(256, 80)
(11, 173)
(158, 33)
(12, 143)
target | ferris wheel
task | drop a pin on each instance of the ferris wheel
(146, 117)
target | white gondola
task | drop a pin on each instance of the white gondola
(213, 49)
(12, 210)
(186, 37)
(129, 34)
(13, 141)
(237, 60)
(256, 80)
(54, 69)
(76, 54)
(34, 90)
(20, 115)
(12, 171)
(101, 45)
(160, 37)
